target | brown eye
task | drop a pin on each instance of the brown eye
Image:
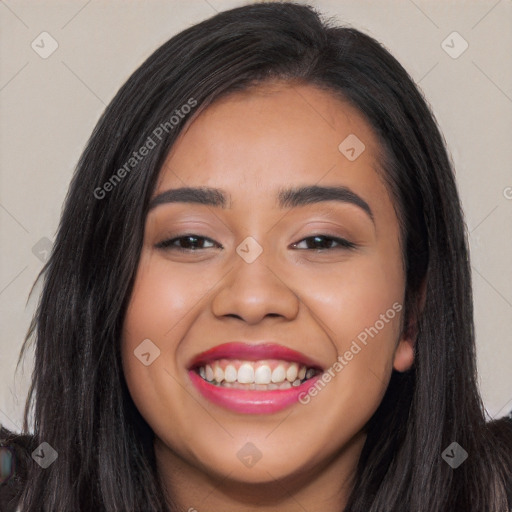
(187, 243)
(322, 242)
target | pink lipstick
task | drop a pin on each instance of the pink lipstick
(253, 379)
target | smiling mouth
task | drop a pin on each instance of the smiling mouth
(261, 378)
(263, 375)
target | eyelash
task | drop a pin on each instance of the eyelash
(168, 244)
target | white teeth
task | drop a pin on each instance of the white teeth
(218, 373)
(230, 373)
(263, 374)
(279, 374)
(246, 374)
(292, 372)
(256, 375)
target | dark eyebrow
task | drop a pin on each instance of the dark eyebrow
(201, 195)
(302, 196)
(287, 198)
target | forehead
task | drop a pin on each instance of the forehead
(271, 136)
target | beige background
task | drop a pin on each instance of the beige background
(48, 108)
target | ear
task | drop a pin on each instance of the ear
(404, 353)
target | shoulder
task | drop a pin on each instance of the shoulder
(15, 453)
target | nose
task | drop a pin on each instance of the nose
(253, 291)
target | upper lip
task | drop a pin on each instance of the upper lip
(252, 352)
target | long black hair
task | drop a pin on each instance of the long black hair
(79, 399)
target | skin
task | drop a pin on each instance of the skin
(250, 144)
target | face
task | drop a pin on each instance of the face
(273, 313)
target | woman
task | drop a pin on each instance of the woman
(259, 296)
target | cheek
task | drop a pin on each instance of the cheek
(161, 308)
(352, 388)
(352, 297)
(164, 300)
(360, 305)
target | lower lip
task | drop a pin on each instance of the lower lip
(251, 401)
